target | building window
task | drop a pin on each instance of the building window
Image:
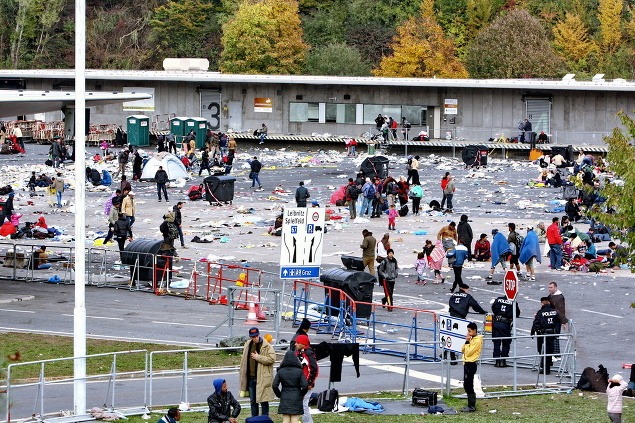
(416, 115)
(304, 112)
(395, 111)
(340, 113)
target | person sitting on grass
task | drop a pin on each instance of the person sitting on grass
(223, 407)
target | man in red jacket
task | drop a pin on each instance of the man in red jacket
(554, 239)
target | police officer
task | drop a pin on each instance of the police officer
(460, 303)
(546, 322)
(502, 308)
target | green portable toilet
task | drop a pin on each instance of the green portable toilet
(177, 126)
(138, 128)
(199, 125)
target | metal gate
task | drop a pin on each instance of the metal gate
(538, 111)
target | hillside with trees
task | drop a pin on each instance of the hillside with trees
(400, 38)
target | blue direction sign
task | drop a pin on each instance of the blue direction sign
(294, 272)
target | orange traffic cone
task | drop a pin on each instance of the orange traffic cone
(260, 315)
(252, 319)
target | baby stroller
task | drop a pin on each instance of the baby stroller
(475, 156)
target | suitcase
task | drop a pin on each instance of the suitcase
(424, 398)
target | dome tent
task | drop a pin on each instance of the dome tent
(170, 163)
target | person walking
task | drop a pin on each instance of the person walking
(416, 194)
(205, 163)
(614, 393)
(178, 221)
(291, 386)
(161, 178)
(368, 245)
(464, 232)
(262, 133)
(223, 407)
(388, 272)
(460, 256)
(530, 253)
(471, 354)
(460, 304)
(310, 370)
(254, 175)
(56, 153)
(546, 322)
(392, 217)
(448, 192)
(554, 239)
(352, 194)
(122, 231)
(232, 145)
(125, 184)
(500, 250)
(256, 372)
(503, 317)
(301, 195)
(137, 166)
(128, 208)
(122, 159)
(58, 186)
(444, 183)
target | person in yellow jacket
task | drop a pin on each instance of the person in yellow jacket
(471, 354)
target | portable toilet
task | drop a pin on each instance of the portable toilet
(199, 125)
(177, 126)
(138, 128)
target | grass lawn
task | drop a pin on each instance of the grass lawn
(33, 347)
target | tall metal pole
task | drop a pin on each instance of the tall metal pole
(515, 342)
(79, 314)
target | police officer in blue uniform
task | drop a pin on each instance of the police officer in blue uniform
(460, 303)
(502, 309)
(546, 322)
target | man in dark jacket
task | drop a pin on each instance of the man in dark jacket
(460, 303)
(464, 232)
(256, 166)
(223, 407)
(122, 231)
(205, 163)
(301, 194)
(161, 178)
(503, 311)
(178, 221)
(546, 322)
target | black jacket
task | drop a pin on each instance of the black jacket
(177, 215)
(294, 385)
(464, 232)
(301, 194)
(161, 177)
(121, 228)
(256, 166)
(460, 303)
(547, 320)
(222, 406)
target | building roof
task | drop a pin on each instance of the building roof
(217, 77)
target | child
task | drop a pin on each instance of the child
(392, 216)
(223, 407)
(614, 391)
(436, 261)
(421, 265)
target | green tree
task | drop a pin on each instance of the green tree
(325, 26)
(515, 45)
(336, 60)
(264, 37)
(619, 197)
(572, 41)
(180, 28)
(372, 40)
(421, 50)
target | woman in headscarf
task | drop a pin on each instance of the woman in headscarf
(290, 385)
(530, 253)
(436, 261)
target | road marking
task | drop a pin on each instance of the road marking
(97, 317)
(17, 311)
(183, 324)
(603, 314)
(400, 370)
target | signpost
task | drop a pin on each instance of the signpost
(302, 241)
(510, 283)
(452, 331)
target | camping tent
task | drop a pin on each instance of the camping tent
(171, 164)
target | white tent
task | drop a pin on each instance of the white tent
(170, 163)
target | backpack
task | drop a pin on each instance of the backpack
(392, 188)
(519, 241)
(353, 192)
(328, 400)
(173, 231)
(370, 193)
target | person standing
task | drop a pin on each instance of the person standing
(448, 192)
(554, 239)
(379, 121)
(256, 372)
(471, 354)
(378, 200)
(310, 370)
(368, 190)
(557, 301)
(352, 194)
(388, 272)
(128, 208)
(173, 415)
(178, 221)
(113, 215)
(58, 186)
(125, 184)
(464, 232)
(406, 128)
(614, 392)
(444, 183)
(528, 132)
(301, 195)
(232, 145)
(460, 255)
(169, 138)
(17, 133)
(546, 322)
(460, 303)
(514, 245)
(262, 133)
(303, 329)
(530, 253)
(416, 194)
(291, 386)
(137, 166)
(256, 167)
(161, 178)
(368, 251)
(392, 217)
(56, 153)
(503, 311)
(122, 231)
(500, 250)
(223, 407)
(414, 170)
(122, 159)
(205, 163)
(229, 162)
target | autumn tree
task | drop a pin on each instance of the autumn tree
(264, 37)
(610, 18)
(336, 60)
(572, 41)
(421, 50)
(619, 195)
(515, 45)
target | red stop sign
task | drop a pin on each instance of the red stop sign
(511, 284)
